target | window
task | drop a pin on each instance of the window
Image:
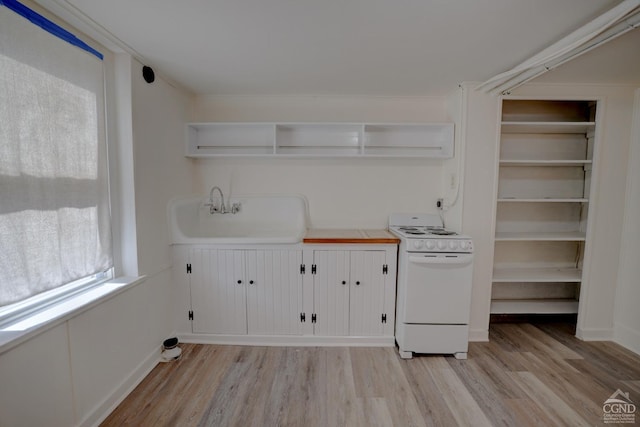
(54, 203)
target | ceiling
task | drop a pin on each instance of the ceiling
(354, 47)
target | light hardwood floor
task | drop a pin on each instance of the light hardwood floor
(527, 375)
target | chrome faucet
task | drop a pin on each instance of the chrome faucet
(213, 208)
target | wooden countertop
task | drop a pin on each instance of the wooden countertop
(325, 235)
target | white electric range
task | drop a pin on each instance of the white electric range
(435, 268)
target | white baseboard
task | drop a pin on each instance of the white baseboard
(288, 340)
(593, 334)
(478, 335)
(627, 337)
(103, 409)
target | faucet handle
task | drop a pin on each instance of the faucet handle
(212, 207)
(235, 207)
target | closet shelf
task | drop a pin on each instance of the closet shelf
(534, 306)
(547, 127)
(556, 163)
(539, 275)
(541, 200)
(577, 236)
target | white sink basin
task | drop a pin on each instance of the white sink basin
(261, 220)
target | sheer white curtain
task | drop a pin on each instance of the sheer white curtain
(54, 204)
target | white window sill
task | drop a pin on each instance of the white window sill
(13, 334)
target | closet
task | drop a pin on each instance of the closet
(545, 160)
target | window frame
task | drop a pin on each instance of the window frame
(19, 311)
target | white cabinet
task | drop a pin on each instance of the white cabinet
(298, 294)
(353, 292)
(544, 186)
(331, 289)
(218, 291)
(255, 292)
(274, 297)
(320, 139)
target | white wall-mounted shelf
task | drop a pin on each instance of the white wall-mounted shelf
(230, 139)
(428, 140)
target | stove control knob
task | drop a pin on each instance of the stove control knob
(453, 245)
(464, 245)
(418, 244)
(442, 244)
(430, 245)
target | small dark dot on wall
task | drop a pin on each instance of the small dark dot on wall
(148, 74)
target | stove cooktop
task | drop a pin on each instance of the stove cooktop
(424, 231)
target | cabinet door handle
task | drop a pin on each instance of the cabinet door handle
(251, 282)
(358, 283)
(239, 282)
(344, 282)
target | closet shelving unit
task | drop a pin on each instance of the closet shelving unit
(427, 140)
(544, 184)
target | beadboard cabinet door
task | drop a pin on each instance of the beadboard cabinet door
(239, 292)
(218, 293)
(331, 293)
(274, 292)
(366, 299)
(349, 293)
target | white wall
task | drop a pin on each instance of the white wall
(342, 193)
(481, 135)
(627, 315)
(160, 112)
(36, 382)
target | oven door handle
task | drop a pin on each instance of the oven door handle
(463, 259)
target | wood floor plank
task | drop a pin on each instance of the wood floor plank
(580, 394)
(526, 375)
(633, 386)
(527, 413)
(343, 406)
(495, 364)
(203, 377)
(431, 403)
(607, 384)
(372, 412)
(547, 344)
(196, 375)
(256, 386)
(496, 356)
(625, 360)
(298, 392)
(226, 405)
(536, 341)
(464, 408)
(378, 373)
(483, 389)
(499, 334)
(559, 411)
